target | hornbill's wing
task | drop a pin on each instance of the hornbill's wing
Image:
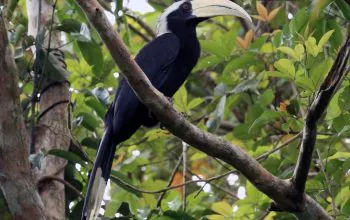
(156, 56)
(125, 116)
(154, 59)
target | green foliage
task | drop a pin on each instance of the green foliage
(261, 91)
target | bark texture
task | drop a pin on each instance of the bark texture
(52, 128)
(52, 132)
(17, 182)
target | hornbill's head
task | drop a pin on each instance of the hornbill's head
(186, 14)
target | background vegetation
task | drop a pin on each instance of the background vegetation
(252, 87)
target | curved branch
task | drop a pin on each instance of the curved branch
(64, 182)
(281, 191)
(117, 179)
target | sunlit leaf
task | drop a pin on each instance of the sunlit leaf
(324, 39)
(285, 66)
(222, 208)
(289, 51)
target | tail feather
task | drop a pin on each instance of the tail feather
(99, 177)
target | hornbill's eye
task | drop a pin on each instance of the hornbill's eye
(186, 6)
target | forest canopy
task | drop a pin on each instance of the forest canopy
(256, 86)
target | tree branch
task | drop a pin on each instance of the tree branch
(160, 198)
(278, 190)
(170, 187)
(145, 26)
(64, 182)
(323, 97)
(267, 154)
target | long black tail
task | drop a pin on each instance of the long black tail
(99, 176)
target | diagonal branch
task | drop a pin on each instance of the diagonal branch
(324, 96)
(174, 121)
(278, 190)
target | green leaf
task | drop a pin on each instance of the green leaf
(69, 26)
(311, 46)
(247, 85)
(344, 8)
(222, 208)
(305, 83)
(207, 62)
(216, 217)
(324, 39)
(289, 51)
(112, 208)
(265, 118)
(91, 142)
(334, 109)
(89, 121)
(217, 116)
(239, 63)
(11, 6)
(83, 35)
(178, 215)
(299, 21)
(92, 53)
(340, 155)
(299, 52)
(69, 156)
(267, 97)
(180, 99)
(344, 99)
(319, 71)
(93, 103)
(285, 66)
(213, 47)
(258, 43)
(194, 103)
(267, 48)
(19, 33)
(278, 74)
(337, 38)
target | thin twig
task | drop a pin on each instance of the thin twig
(138, 20)
(221, 163)
(328, 183)
(170, 187)
(160, 198)
(136, 143)
(136, 31)
(184, 171)
(267, 154)
(64, 182)
(228, 192)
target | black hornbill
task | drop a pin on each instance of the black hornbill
(167, 61)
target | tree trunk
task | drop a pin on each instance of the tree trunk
(52, 129)
(52, 132)
(16, 179)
